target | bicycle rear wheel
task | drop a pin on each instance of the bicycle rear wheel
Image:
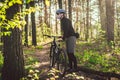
(62, 61)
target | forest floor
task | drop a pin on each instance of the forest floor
(43, 56)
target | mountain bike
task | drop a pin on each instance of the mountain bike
(58, 56)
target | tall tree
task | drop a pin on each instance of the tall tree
(83, 17)
(117, 16)
(13, 67)
(60, 4)
(87, 22)
(70, 9)
(110, 20)
(46, 20)
(102, 14)
(26, 27)
(34, 41)
(56, 22)
(65, 4)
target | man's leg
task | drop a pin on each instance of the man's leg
(74, 60)
(70, 60)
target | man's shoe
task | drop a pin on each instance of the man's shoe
(75, 69)
(69, 70)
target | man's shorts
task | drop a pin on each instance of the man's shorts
(70, 44)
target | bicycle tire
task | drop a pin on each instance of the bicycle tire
(55, 58)
(52, 56)
(62, 61)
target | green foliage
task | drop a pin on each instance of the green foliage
(32, 75)
(18, 19)
(30, 65)
(53, 74)
(27, 1)
(117, 50)
(43, 29)
(31, 60)
(7, 24)
(74, 76)
(39, 47)
(10, 3)
(99, 55)
(29, 51)
(1, 61)
(99, 59)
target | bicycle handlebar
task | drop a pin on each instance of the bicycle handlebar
(53, 36)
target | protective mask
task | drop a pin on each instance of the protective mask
(58, 17)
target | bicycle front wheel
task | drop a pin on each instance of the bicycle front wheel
(52, 61)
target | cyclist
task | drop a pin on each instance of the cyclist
(68, 37)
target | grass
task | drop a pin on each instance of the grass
(1, 61)
(98, 56)
(30, 64)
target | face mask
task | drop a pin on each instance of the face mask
(58, 16)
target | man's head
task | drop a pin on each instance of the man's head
(60, 13)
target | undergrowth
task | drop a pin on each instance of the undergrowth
(31, 64)
(98, 56)
(93, 55)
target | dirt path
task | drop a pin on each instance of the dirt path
(43, 56)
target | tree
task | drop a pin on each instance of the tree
(26, 27)
(110, 20)
(87, 22)
(46, 13)
(60, 4)
(102, 14)
(118, 19)
(13, 67)
(70, 9)
(34, 41)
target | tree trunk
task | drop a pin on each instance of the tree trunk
(50, 10)
(26, 27)
(70, 9)
(102, 14)
(60, 7)
(83, 19)
(118, 19)
(13, 67)
(45, 14)
(87, 22)
(56, 22)
(34, 41)
(60, 4)
(65, 4)
(110, 20)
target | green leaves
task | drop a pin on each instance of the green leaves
(27, 1)
(7, 24)
(10, 3)
(18, 20)
(1, 60)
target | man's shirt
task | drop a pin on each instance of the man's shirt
(66, 26)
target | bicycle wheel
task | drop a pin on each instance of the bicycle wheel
(55, 58)
(52, 49)
(62, 62)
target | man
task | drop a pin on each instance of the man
(69, 38)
